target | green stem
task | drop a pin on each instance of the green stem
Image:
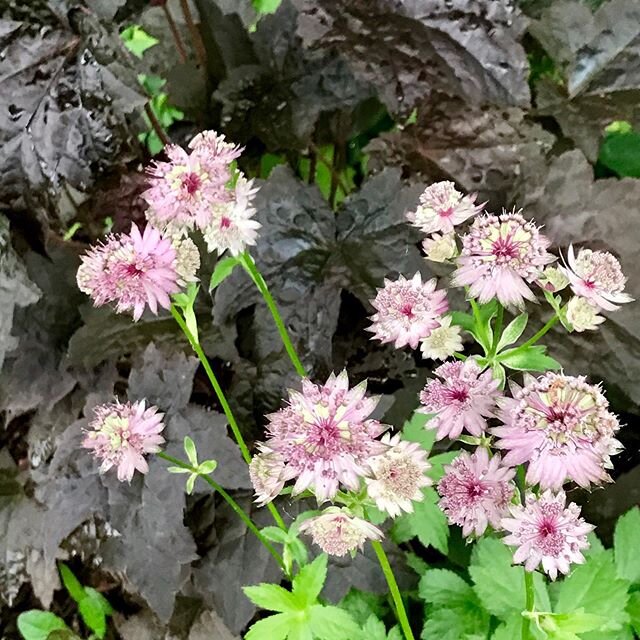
(497, 331)
(478, 318)
(459, 356)
(529, 604)
(401, 614)
(247, 262)
(195, 345)
(232, 503)
(540, 333)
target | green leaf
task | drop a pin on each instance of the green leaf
(332, 623)
(275, 534)
(207, 467)
(498, 584)
(532, 358)
(265, 6)
(93, 615)
(98, 597)
(363, 605)
(458, 623)
(558, 625)
(178, 470)
(37, 625)
(626, 546)
(427, 523)
(620, 152)
(415, 430)
(191, 483)
(308, 584)
(190, 450)
(438, 463)
(509, 630)
(446, 588)
(222, 271)
(272, 628)
(272, 597)
(513, 331)
(374, 629)
(71, 583)
(595, 588)
(137, 40)
(633, 610)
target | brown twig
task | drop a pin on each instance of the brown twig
(334, 175)
(196, 36)
(175, 33)
(157, 127)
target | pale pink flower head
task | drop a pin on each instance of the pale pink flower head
(131, 270)
(120, 435)
(337, 532)
(582, 315)
(475, 491)
(407, 311)
(398, 476)
(183, 189)
(232, 226)
(267, 473)
(442, 207)
(461, 400)
(597, 276)
(560, 425)
(547, 532)
(500, 255)
(325, 437)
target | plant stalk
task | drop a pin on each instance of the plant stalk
(538, 335)
(182, 54)
(196, 36)
(529, 604)
(249, 266)
(497, 330)
(232, 503)
(401, 613)
(195, 345)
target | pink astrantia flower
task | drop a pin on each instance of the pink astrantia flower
(597, 276)
(325, 437)
(500, 255)
(122, 434)
(267, 472)
(398, 476)
(407, 311)
(337, 532)
(475, 491)
(561, 426)
(232, 226)
(133, 271)
(442, 207)
(463, 399)
(548, 533)
(182, 190)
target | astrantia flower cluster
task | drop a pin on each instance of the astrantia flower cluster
(120, 435)
(132, 271)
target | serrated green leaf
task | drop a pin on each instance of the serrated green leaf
(415, 430)
(71, 583)
(273, 628)
(439, 462)
(223, 269)
(498, 584)
(509, 630)
(363, 605)
(37, 625)
(457, 623)
(374, 629)
(633, 611)
(446, 588)
(595, 588)
(308, 584)
(93, 616)
(513, 331)
(627, 544)
(272, 597)
(532, 358)
(190, 450)
(137, 40)
(332, 623)
(427, 523)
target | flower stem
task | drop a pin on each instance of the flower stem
(232, 503)
(198, 43)
(529, 604)
(182, 54)
(249, 266)
(540, 333)
(497, 330)
(401, 614)
(195, 345)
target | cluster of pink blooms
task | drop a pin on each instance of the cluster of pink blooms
(325, 440)
(120, 435)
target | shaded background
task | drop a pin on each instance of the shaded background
(347, 108)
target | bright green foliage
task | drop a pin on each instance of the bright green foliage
(374, 629)
(512, 331)
(137, 40)
(627, 546)
(532, 358)
(266, 6)
(565, 626)
(299, 615)
(323, 174)
(197, 468)
(478, 324)
(186, 301)
(37, 625)
(415, 429)
(363, 605)
(427, 523)
(620, 150)
(633, 611)
(223, 269)
(498, 584)
(267, 163)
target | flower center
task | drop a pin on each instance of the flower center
(225, 222)
(474, 490)
(460, 395)
(191, 182)
(446, 213)
(407, 310)
(504, 248)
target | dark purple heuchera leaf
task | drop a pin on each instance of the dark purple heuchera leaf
(483, 150)
(601, 214)
(598, 55)
(408, 49)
